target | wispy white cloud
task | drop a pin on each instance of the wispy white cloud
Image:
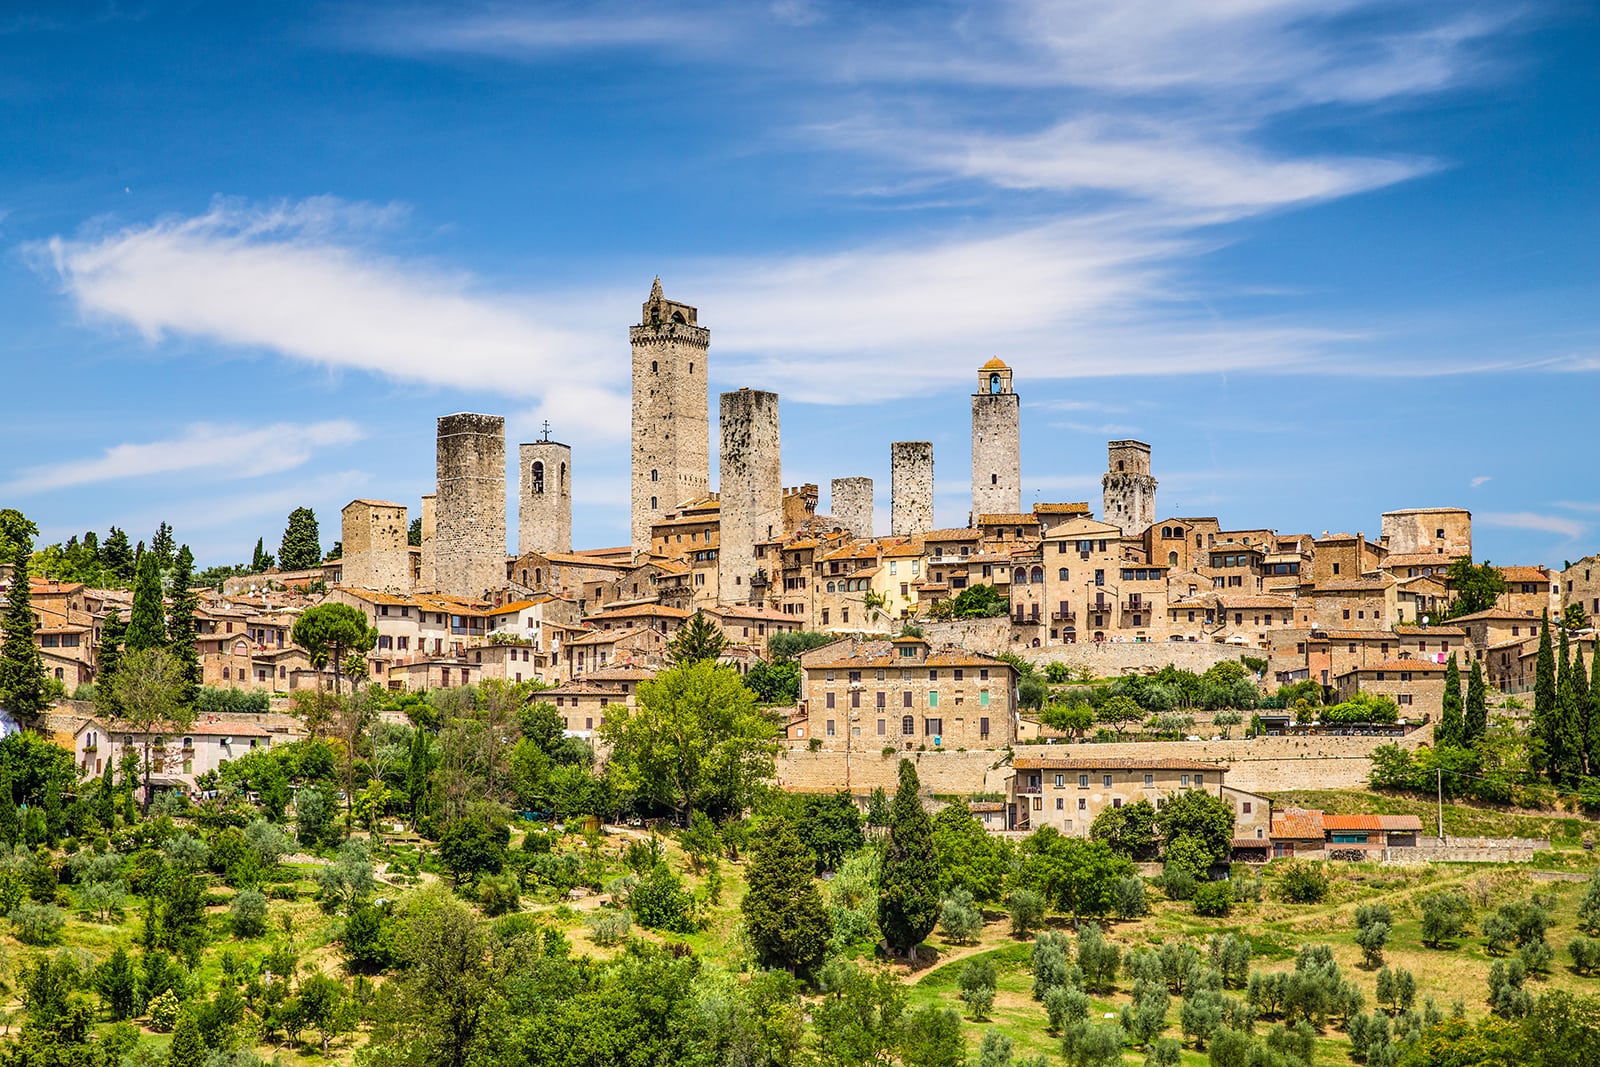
(232, 450)
(1571, 529)
(1480, 480)
(1584, 506)
(301, 279)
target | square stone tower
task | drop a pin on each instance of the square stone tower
(671, 405)
(996, 444)
(544, 497)
(852, 505)
(377, 553)
(1130, 491)
(911, 487)
(750, 488)
(429, 528)
(469, 550)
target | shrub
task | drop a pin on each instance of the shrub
(977, 986)
(163, 1012)
(1130, 902)
(659, 902)
(1026, 909)
(499, 893)
(1213, 899)
(609, 927)
(1178, 883)
(247, 916)
(958, 918)
(1304, 883)
(38, 924)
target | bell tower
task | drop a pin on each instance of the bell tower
(996, 443)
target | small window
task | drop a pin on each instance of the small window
(1061, 780)
(1105, 780)
(1149, 780)
(1083, 781)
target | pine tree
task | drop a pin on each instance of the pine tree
(23, 689)
(117, 555)
(161, 545)
(180, 622)
(187, 1049)
(1450, 731)
(697, 639)
(1476, 722)
(1544, 702)
(262, 560)
(301, 548)
(788, 922)
(908, 885)
(147, 626)
(107, 655)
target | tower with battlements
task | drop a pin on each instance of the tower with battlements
(1129, 488)
(671, 421)
(469, 542)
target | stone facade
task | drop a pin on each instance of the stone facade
(1068, 787)
(750, 487)
(911, 486)
(1129, 488)
(544, 498)
(1441, 531)
(852, 505)
(996, 443)
(1580, 584)
(470, 533)
(671, 420)
(377, 554)
(430, 525)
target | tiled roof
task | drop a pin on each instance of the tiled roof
(645, 610)
(1253, 601)
(1406, 629)
(952, 534)
(994, 364)
(625, 672)
(858, 655)
(1419, 559)
(1112, 763)
(1297, 824)
(1354, 585)
(608, 637)
(1008, 518)
(1524, 574)
(518, 605)
(1423, 665)
(1371, 822)
(1493, 614)
(1074, 508)
(981, 806)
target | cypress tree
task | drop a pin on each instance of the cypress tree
(147, 626)
(908, 885)
(105, 806)
(1591, 728)
(262, 560)
(161, 545)
(23, 689)
(302, 547)
(108, 654)
(1544, 701)
(1580, 712)
(789, 924)
(1450, 730)
(1566, 742)
(10, 819)
(187, 1049)
(1476, 722)
(180, 624)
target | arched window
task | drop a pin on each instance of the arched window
(691, 368)
(1037, 575)
(561, 486)
(830, 587)
(994, 479)
(538, 576)
(655, 475)
(538, 477)
(1019, 576)
(1172, 559)
(654, 366)
(1062, 574)
(908, 725)
(994, 383)
(652, 503)
(677, 317)
(1120, 465)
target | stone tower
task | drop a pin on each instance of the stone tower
(427, 580)
(1130, 491)
(671, 421)
(469, 544)
(377, 552)
(911, 487)
(544, 497)
(852, 505)
(750, 488)
(996, 444)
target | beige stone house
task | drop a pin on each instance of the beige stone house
(1416, 686)
(177, 757)
(1067, 790)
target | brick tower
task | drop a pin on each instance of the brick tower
(996, 444)
(671, 421)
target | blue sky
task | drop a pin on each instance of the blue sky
(1328, 257)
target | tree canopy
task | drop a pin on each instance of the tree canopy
(301, 548)
(697, 639)
(908, 883)
(330, 630)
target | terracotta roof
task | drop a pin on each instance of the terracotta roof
(1426, 666)
(518, 605)
(1123, 763)
(373, 503)
(1406, 629)
(1354, 585)
(1076, 508)
(994, 364)
(1492, 614)
(952, 534)
(624, 672)
(1254, 601)
(985, 805)
(1297, 824)
(608, 637)
(1353, 635)
(1371, 822)
(1009, 518)
(1524, 574)
(1419, 559)
(858, 655)
(201, 728)
(641, 609)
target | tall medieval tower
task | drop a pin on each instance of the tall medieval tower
(469, 542)
(544, 499)
(996, 444)
(750, 486)
(910, 488)
(852, 505)
(1130, 491)
(671, 420)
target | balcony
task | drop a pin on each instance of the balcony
(1063, 616)
(1135, 605)
(1030, 790)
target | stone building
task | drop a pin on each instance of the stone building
(377, 552)
(1068, 791)
(1129, 488)
(544, 499)
(750, 487)
(470, 521)
(852, 505)
(1439, 531)
(996, 443)
(430, 514)
(671, 419)
(1415, 685)
(911, 487)
(1580, 585)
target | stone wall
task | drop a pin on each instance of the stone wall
(996, 454)
(375, 544)
(470, 523)
(972, 771)
(851, 505)
(1106, 659)
(671, 412)
(544, 497)
(911, 487)
(1415, 530)
(750, 487)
